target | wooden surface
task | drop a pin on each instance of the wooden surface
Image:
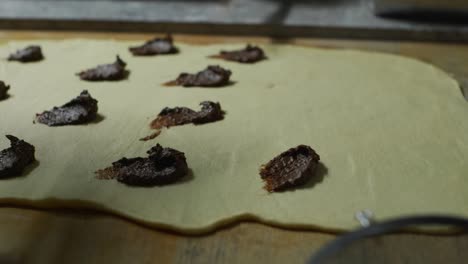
(66, 236)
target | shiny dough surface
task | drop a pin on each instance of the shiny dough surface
(392, 133)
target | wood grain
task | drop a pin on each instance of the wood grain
(33, 236)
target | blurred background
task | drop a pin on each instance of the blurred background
(376, 19)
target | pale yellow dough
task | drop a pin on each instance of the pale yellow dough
(392, 131)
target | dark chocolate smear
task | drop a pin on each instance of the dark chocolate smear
(28, 54)
(3, 90)
(212, 76)
(162, 166)
(16, 158)
(291, 168)
(79, 110)
(210, 112)
(105, 72)
(249, 54)
(156, 46)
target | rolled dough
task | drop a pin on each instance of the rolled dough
(392, 133)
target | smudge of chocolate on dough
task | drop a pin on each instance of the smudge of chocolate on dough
(162, 166)
(250, 54)
(291, 168)
(3, 90)
(80, 110)
(168, 117)
(212, 76)
(151, 136)
(16, 158)
(156, 46)
(28, 54)
(106, 72)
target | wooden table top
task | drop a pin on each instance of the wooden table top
(67, 236)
